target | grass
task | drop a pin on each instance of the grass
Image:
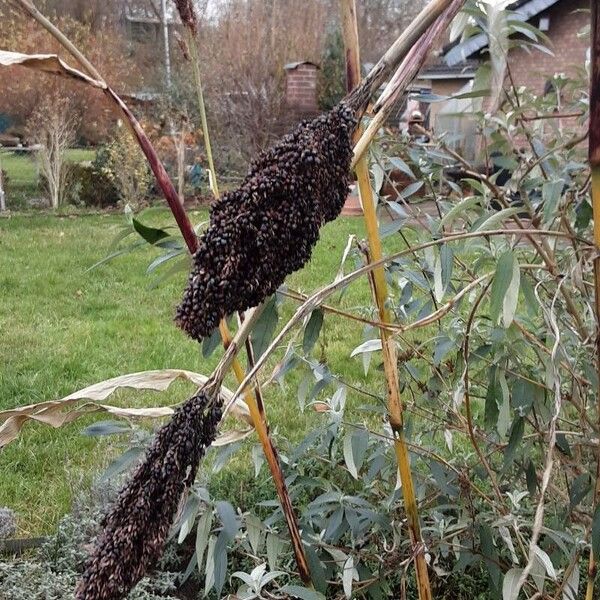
(22, 174)
(64, 328)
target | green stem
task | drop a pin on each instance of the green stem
(193, 47)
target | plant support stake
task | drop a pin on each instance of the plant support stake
(594, 157)
(390, 361)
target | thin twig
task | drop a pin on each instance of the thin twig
(321, 295)
(467, 398)
(538, 520)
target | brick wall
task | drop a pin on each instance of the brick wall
(533, 69)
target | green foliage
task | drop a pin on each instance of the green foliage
(27, 580)
(331, 84)
(124, 165)
(491, 292)
(342, 479)
(89, 186)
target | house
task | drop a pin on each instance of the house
(562, 21)
(144, 23)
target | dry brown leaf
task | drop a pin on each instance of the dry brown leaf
(154, 412)
(231, 436)
(48, 63)
(59, 412)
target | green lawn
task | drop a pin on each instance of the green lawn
(22, 174)
(64, 328)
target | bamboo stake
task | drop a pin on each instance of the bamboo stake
(195, 59)
(594, 158)
(390, 360)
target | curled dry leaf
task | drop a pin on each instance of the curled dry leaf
(48, 63)
(57, 413)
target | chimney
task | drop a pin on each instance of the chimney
(301, 87)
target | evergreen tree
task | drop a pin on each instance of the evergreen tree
(332, 76)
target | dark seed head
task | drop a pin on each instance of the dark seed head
(267, 228)
(134, 532)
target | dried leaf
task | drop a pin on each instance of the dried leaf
(57, 413)
(232, 436)
(347, 249)
(48, 63)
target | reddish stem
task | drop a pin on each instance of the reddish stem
(162, 178)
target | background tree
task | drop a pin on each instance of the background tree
(23, 91)
(52, 128)
(243, 43)
(332, 76)
(125, 166)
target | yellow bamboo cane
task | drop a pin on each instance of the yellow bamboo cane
(394, 403)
